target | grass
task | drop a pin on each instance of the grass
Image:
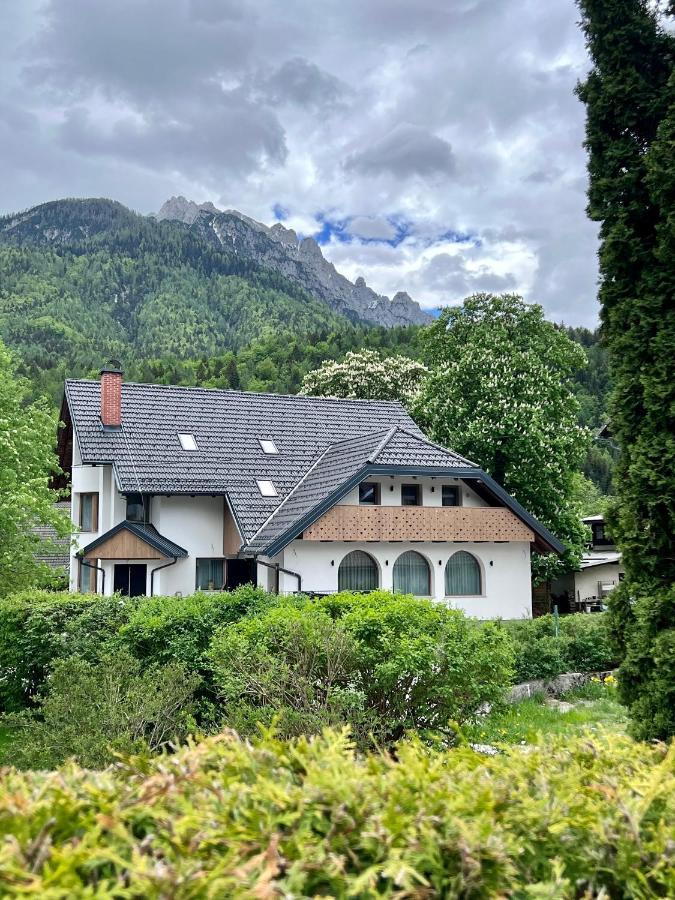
(6, 740)
(530, 720)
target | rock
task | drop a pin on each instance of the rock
(561, 705)
(302, 261)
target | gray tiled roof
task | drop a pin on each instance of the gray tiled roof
(58, 556)
(227, 425)
(333, 469)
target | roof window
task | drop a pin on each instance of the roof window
(267, 488)
(268, 445)
(187, 441)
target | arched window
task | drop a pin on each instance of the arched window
(357, 572)
(462, 575)
(411, 575)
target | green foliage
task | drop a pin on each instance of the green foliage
(37, 628)
(501, 394)
(587, 817)
(583, 644)
(630, 128)
(27, 463)
(91, 711)
(367, 376)
(385, 663)
(647, 672)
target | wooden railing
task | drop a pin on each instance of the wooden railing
(418, 523)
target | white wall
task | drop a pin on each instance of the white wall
(431, 491)
(507, 591)
(586, 581)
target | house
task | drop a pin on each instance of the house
(599, 573)
(180, 489)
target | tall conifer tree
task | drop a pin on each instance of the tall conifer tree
(630, 103)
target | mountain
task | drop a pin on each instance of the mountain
(299, 259)
(82, 281)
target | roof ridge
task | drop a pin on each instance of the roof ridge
(438, 446)
(213, 390)
(290, 494)
(380, 447)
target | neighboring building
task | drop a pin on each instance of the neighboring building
(57, 557)
(176, 489)
(600, 572)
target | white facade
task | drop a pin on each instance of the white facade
(196, 523)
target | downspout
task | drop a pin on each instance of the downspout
(158, 569)
(277, 568)
(83, 562)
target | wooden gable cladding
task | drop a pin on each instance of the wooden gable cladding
(124, 545)
(418, 523)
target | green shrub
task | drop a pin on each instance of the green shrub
(588, 817)
(89, 711)
(397, 663)
(294, 666)
(583, 644)
(38, 627)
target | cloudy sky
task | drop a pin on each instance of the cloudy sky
(432, 146)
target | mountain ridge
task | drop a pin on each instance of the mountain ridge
(300, 259)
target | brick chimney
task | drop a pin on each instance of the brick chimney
(111, 395)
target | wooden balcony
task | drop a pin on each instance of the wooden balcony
(418, 523)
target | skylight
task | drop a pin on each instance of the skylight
(267, 488)
(268, 446)
(187, 441)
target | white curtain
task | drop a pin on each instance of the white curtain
(462, 575)
(357, 572)
(411, 575)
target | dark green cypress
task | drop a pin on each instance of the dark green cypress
(630, 104)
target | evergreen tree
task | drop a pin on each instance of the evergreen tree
(630, 104)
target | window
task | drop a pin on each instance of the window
(138, 508)
(89, 512)
(267, 488)
(268, 446)
(87, 578)
(369, 492)
(412, 575)
(357, 572)
(210, 574)
(450, 495)
(462, 576)
(187, 441)
(411, 495)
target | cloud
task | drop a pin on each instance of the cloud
(406, 150)
(433, 147)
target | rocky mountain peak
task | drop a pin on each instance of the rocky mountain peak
(300, 259)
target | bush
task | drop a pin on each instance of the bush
(584, 644)
(383, 662)
(587, 817)
(90, 711)
(38, 627)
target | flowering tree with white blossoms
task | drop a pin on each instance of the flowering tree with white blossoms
(500, 393)
(367, 375)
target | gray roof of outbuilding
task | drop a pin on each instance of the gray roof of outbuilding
(227, 425)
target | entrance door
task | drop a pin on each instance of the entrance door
(130, 579)
(240, 571)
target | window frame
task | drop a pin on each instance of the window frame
(269, 441)
(377, 493)
(375, 570)
(418, 493)
(188, 435)
(265, 492)
(211, 560)
(457, 492)
(429, 574)
(94, 512)
(91, 574)
(144, 502)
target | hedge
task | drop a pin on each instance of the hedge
(591, 817)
